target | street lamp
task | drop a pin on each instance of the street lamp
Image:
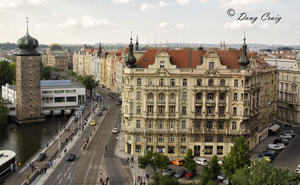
(59, 138)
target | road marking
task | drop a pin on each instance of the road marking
(60, 181)
(72, 163)
(65, 174)
(95, 167)
(90, 165)
(69, 168)
(58, 176)
(69, 177)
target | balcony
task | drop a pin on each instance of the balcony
(172, 102)
(161, 88)
(161, 102)
(222, 101)
(211, 88)
(150, 101)
(198, 102)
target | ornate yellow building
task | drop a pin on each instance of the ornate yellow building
(56, 56)
(179, 99)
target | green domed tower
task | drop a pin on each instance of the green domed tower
(28, 88)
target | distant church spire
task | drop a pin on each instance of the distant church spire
(137, 43)
(100, 50)
(130, 60)
(244, 60)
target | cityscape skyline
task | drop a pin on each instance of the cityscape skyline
(187, 21)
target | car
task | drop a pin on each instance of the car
(99, 114)
(221, 177)
(75, 118)
(93, 122)
(269, 154)
(115, 130)
(220, 162)
(71, 157)
(169, 172)
(201, 161)
(286, 136)
(180, 173)
(275, 147)
(226, 181)
(189, 174)
(177, 162)
(102, 108)
(79, 113)
(281, 140)
(41, 157)
(291, 132)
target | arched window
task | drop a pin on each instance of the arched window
(150, 96)
(211, 82)
(161, 96)
(222, 82)
(222, 96)
(246, 112)
(210, 96)
(198, 96)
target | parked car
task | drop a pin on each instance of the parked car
(115, 130)
(291, 132)
(41, 157)
(102, 108)
(71, 157)
(226, 181)
(201, 161)
(281, 140)
(177, 162)
(221, 177)
(269, 154)
(286, 136)
(169, 172)
(75, 118)
(99, 114)
(180, 173)
(189, 174)
(93, 122)
(275, 147)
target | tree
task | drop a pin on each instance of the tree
(189, 162)
(262, 172)
(89, 82)
(6, 74)
(45, 72)
(13, 69)
(205, 176)
(3, 113)
(237, 158)
(167, 180)
(215, 167)
(154, 160)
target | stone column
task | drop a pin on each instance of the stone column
(145, 103)
(167, 103)
(177, 103)
(155, 103)
(217, 103)
(227, 103)
(193, 102)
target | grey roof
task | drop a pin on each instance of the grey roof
(282, 65)
(55, 82)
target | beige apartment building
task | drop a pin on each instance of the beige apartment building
(173, 100)
(288, 97)
(56, 56)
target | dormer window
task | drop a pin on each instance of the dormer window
(211, 65)
(162, 65)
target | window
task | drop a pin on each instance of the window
(161, 82)
(138, 109)
(184, 95)
(222, 83)
(234, 111)
(150, 82)
(70, 91)
(150, 109)
(183, 125)
(171, 125)
(161, 96)
(172, 82)
(246, 112)
(182, 149)
(235, 97)
(172, 96)
(138, 82)
(161, 109)
(199, 96)
(199, 82)
(183, 110)
(162, 65)
(160, 124)
(221, 125)
(236, 83)
(208, 150)
(184, 82)
(209, 138)
(58, 91)
(138, 123)
(171, 139)
(211, 65)
(138, 138)
(138, 95)
(210, 110)
(222, 96)
(210, 82)
(198, 109)
(220, 149)
(197, 124)
(70, 99)
(150, 96)
(221, 110)
(150, 124)
(209, 124)
(172, 110)
(197, 138)
(160, 138)
(183, 138)
(210, 96)
(294, 79)
(233, 125)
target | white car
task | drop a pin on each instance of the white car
(201, 161)
(275, 147)
(115, 130)
(286, 136)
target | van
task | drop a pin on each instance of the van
(201, 161)
(275, 147)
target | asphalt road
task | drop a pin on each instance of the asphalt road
(94, 162)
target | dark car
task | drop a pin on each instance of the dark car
(169, 172)
(180, 173)
(102, 108)
(272, 155)
(71, 157)
(75, 118)
(280, 140)
(99, 114)
(189, 174)
(41, 157)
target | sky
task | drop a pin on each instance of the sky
(154, 21)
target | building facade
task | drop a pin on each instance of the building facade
(173, 100)
(288, 98)
(56, 56)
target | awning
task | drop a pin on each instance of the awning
(274, 128)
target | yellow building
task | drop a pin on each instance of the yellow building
(179, 99)
(56, 56)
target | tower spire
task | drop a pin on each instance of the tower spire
(137, 43)
(27, 33)
(130, 60)
(244, 60)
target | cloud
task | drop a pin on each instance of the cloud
(9, 4)
(70, 22)
(182, 26)
(1, 25)
(88, 21)
(122, 1)
(183, 2)
(146, 6)
(241, 4)
(234, 25)
(162, 25)
(54, 14)
(163, 4)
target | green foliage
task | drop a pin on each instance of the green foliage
(215, 167)
(211, 182)
(154, 160)
(6, 74)
(89, 82)
(3, 113)
(190, 164)
(262, 172)
(167, 180)
(13, 68)
(71, 73)
(237, 158)
(205, 176)
(46, 73)
(54, 69)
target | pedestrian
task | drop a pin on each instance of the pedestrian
(32, 167)
(127, 159)
(147, 175)
(45, 169)
(106, 148)
(54, 161)
(117, 138)
(132, 159)
(65, 151)
(71, 139)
